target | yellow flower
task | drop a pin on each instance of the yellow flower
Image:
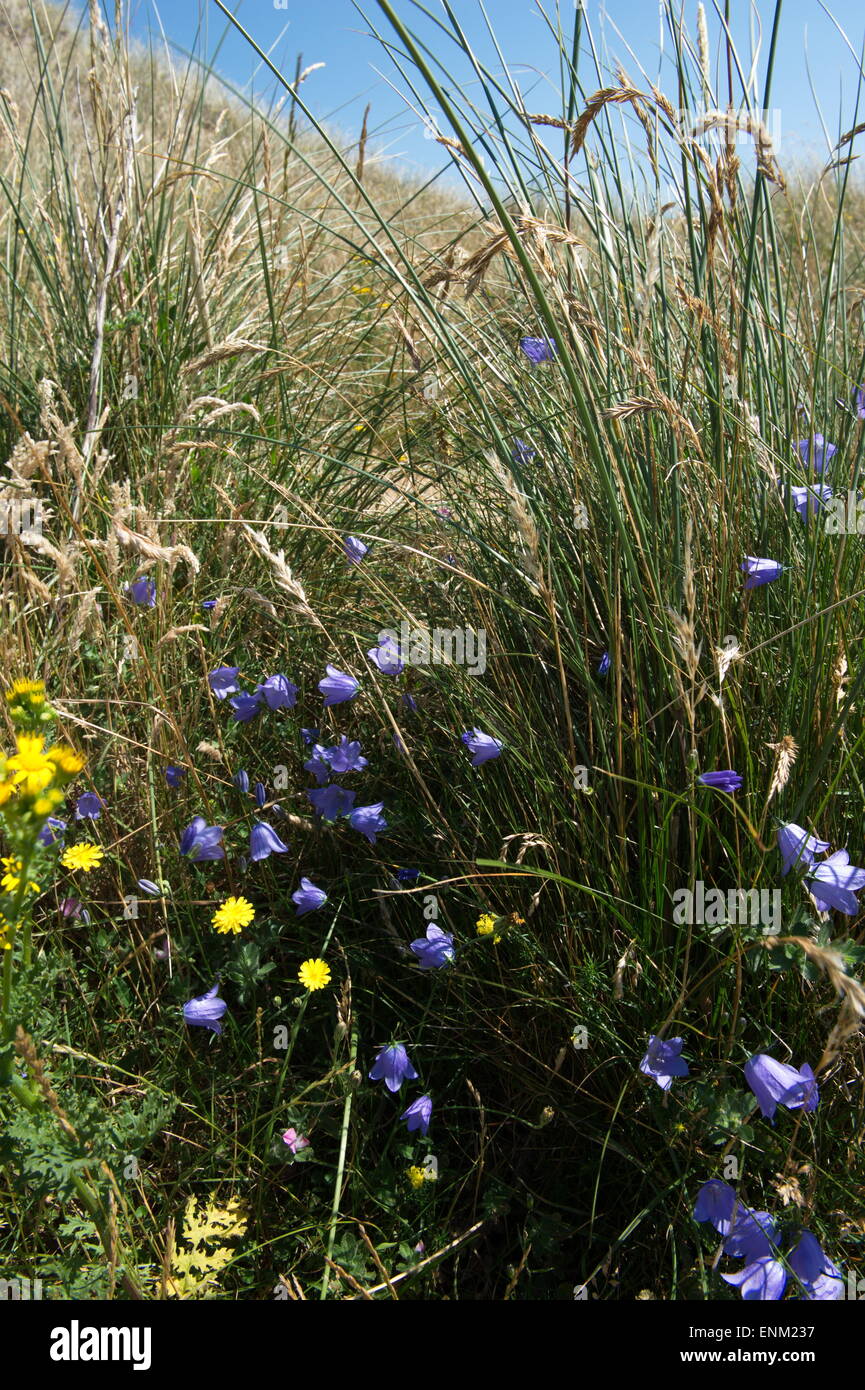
(361, 289)
(66, 759)
(416, 1176)
(44, 805)
(486, 925)
(11, 880)
(35, 689)
(6, 790)
(314, 974)
(233, 914)
(5, 934)
(84, 857)
(31, 767)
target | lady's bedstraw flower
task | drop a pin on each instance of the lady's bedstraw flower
(233, 915)
(486, 925)
(314, 974)
(83, 857)
(416, 1176)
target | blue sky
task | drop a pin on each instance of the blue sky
(812, 53)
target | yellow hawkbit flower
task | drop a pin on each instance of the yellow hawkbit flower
(416, 1176)
(314, 974)
(11, 879)
(84, 857)
(234, 914)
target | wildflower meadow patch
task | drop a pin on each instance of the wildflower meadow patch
(431, 796)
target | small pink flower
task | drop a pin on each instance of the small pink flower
(294, 1140)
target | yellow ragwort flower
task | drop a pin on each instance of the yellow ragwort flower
(84, 857)
(314, 974)
(31, 767)
(234, 914)
(48, 802)
(11, 879)
(5, 934)
(66, 759)
(35, 690)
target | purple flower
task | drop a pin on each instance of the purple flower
(822, 451)
(725, 781)
(208, 604)
(278, 692)
(717, 1202)
(148, 886)
(369, 820)
(175, 775)
(71, 908)
(764, 1279)
(52, 831)
(345, 757)
(604, 664)
(835, 882)
(775, 1083)
(202, 841)
(539, 349)
(435, 949)
(241, 781)
(337, 687)
(662, 1061)
(245, 706)
(260, 793)
(222, 681)
(859, 401)
(332, 801)
(752, 1235)
(354, 550)
(386, 656)
(407, 875)
(205, 1010)
(143, 592)
(798, 847)
(309, 735)
(392, 1066)
(759, 571)
(410, 703)
(821, 1279)
(264, 841)
(294, 1140)
(483, 747)
(318, 765)
(89, 806)
(308, 898)
(418, 1114)
(808, 500)
(522, 452)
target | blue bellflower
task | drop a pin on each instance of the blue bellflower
(393, 1067)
